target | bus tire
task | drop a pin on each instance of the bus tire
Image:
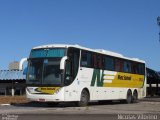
(135, 97)
(84, 99)
(129, 97)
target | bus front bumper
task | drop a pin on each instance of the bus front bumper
(56, 97)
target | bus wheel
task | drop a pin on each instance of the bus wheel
(129, 97)
(84, 98)
(135, 97)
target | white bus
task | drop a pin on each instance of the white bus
(71, 73)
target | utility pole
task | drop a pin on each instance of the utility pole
(158, 22)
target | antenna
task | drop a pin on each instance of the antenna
(158, 22)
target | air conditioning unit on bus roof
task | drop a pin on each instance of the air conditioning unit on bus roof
(137, 59)
(109, 52)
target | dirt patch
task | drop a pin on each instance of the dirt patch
(13, 99)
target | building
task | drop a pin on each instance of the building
(153, 82)
(12, 82)
(14, 65)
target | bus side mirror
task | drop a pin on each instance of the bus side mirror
(62, 63)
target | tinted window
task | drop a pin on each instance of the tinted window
(118, 65)
(99, 61)
(86, 59)
(72, 65)
(134, 68)
(109, 63)
(127, 66)
(141, 68)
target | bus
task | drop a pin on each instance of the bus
(72, 73)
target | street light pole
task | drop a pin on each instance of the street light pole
(158, 22)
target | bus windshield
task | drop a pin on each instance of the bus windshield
(44, 67)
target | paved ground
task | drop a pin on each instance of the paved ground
(152, 99)
(147, 108)
(12, 99)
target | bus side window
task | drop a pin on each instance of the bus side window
(72, 65)
(141, 69)
(99, 61)
(134, 68)
(94, 61)
(68, 72)
(118, 65)
(127, 66)
(86, 59)
(109, 63)
(89, 59)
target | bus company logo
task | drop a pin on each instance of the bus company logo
(97, 77)
(141, 79)
(47, 90)
(100, 77)
(124, 77)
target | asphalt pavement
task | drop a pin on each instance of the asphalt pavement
(147, 108)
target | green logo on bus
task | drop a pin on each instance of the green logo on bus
(97, 78)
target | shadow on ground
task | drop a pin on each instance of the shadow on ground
(71, 104)
(64, 104)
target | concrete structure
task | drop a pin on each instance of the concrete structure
(153, 82)
(17, 65)
(12, 81)
(14, 65)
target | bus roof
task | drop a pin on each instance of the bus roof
(102, 51)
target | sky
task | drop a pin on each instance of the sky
(128, 27)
